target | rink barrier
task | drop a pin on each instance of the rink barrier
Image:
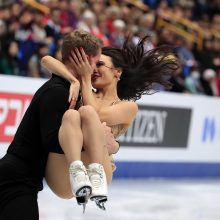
(173, 135)
(166, 170)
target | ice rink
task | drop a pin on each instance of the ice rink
(142, 200)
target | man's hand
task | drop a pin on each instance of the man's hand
(111, 144)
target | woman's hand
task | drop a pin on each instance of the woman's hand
(73, 93)
(80, 63)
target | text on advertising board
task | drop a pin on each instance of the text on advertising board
(12, 109)
(159, 126)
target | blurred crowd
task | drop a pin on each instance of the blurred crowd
(27, 34)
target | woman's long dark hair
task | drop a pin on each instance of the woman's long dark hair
(140, 69)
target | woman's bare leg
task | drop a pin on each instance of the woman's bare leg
(94, 144)
(94, 141)
(93, 134)
(70, 135)
(57, 175)
(71, 140)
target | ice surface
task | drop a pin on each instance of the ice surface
(142, 200)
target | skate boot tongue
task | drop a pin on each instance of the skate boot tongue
(99, 184)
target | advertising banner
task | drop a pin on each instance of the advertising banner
(156, 126)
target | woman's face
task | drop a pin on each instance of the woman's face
(105, 73)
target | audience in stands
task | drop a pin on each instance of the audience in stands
(27, 34)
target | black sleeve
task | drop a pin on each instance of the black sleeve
(52, 107)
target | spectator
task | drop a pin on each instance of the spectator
(67, 17)
(193, 83)
(39, 32)
(102, 24)
(118, 35)
(205, 56)
(16, 9)
(184, 51)
(34, 67)
(53, 29)
(9, 61)
(3, 36)
(178, 83)
(88, 22)
(25, 37)
(113, 13)
(147, 22)
(216, 54)
(209, 81)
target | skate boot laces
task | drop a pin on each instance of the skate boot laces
(78, 172)
(96, 177)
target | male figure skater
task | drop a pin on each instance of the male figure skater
(23, 167)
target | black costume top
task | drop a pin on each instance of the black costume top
(37, 134)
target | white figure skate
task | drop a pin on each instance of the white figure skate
(80, 183)
(99, 184)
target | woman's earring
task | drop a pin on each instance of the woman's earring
(118, 78)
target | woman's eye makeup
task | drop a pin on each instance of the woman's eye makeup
(100, 63)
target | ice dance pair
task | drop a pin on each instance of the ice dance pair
(88, 183)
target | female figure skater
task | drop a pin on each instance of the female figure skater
(121, 77)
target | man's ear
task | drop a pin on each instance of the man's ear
(88, 57)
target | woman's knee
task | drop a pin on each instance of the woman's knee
(87, 112)
(71, 116)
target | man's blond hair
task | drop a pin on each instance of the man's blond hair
(79, 38)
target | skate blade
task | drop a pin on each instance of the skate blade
(99, 198)
(84, 208)
(82, 200)
(100, 201)
(82, 196)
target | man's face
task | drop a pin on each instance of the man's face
(94, 59)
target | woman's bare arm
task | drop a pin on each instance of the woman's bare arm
(58, 68)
